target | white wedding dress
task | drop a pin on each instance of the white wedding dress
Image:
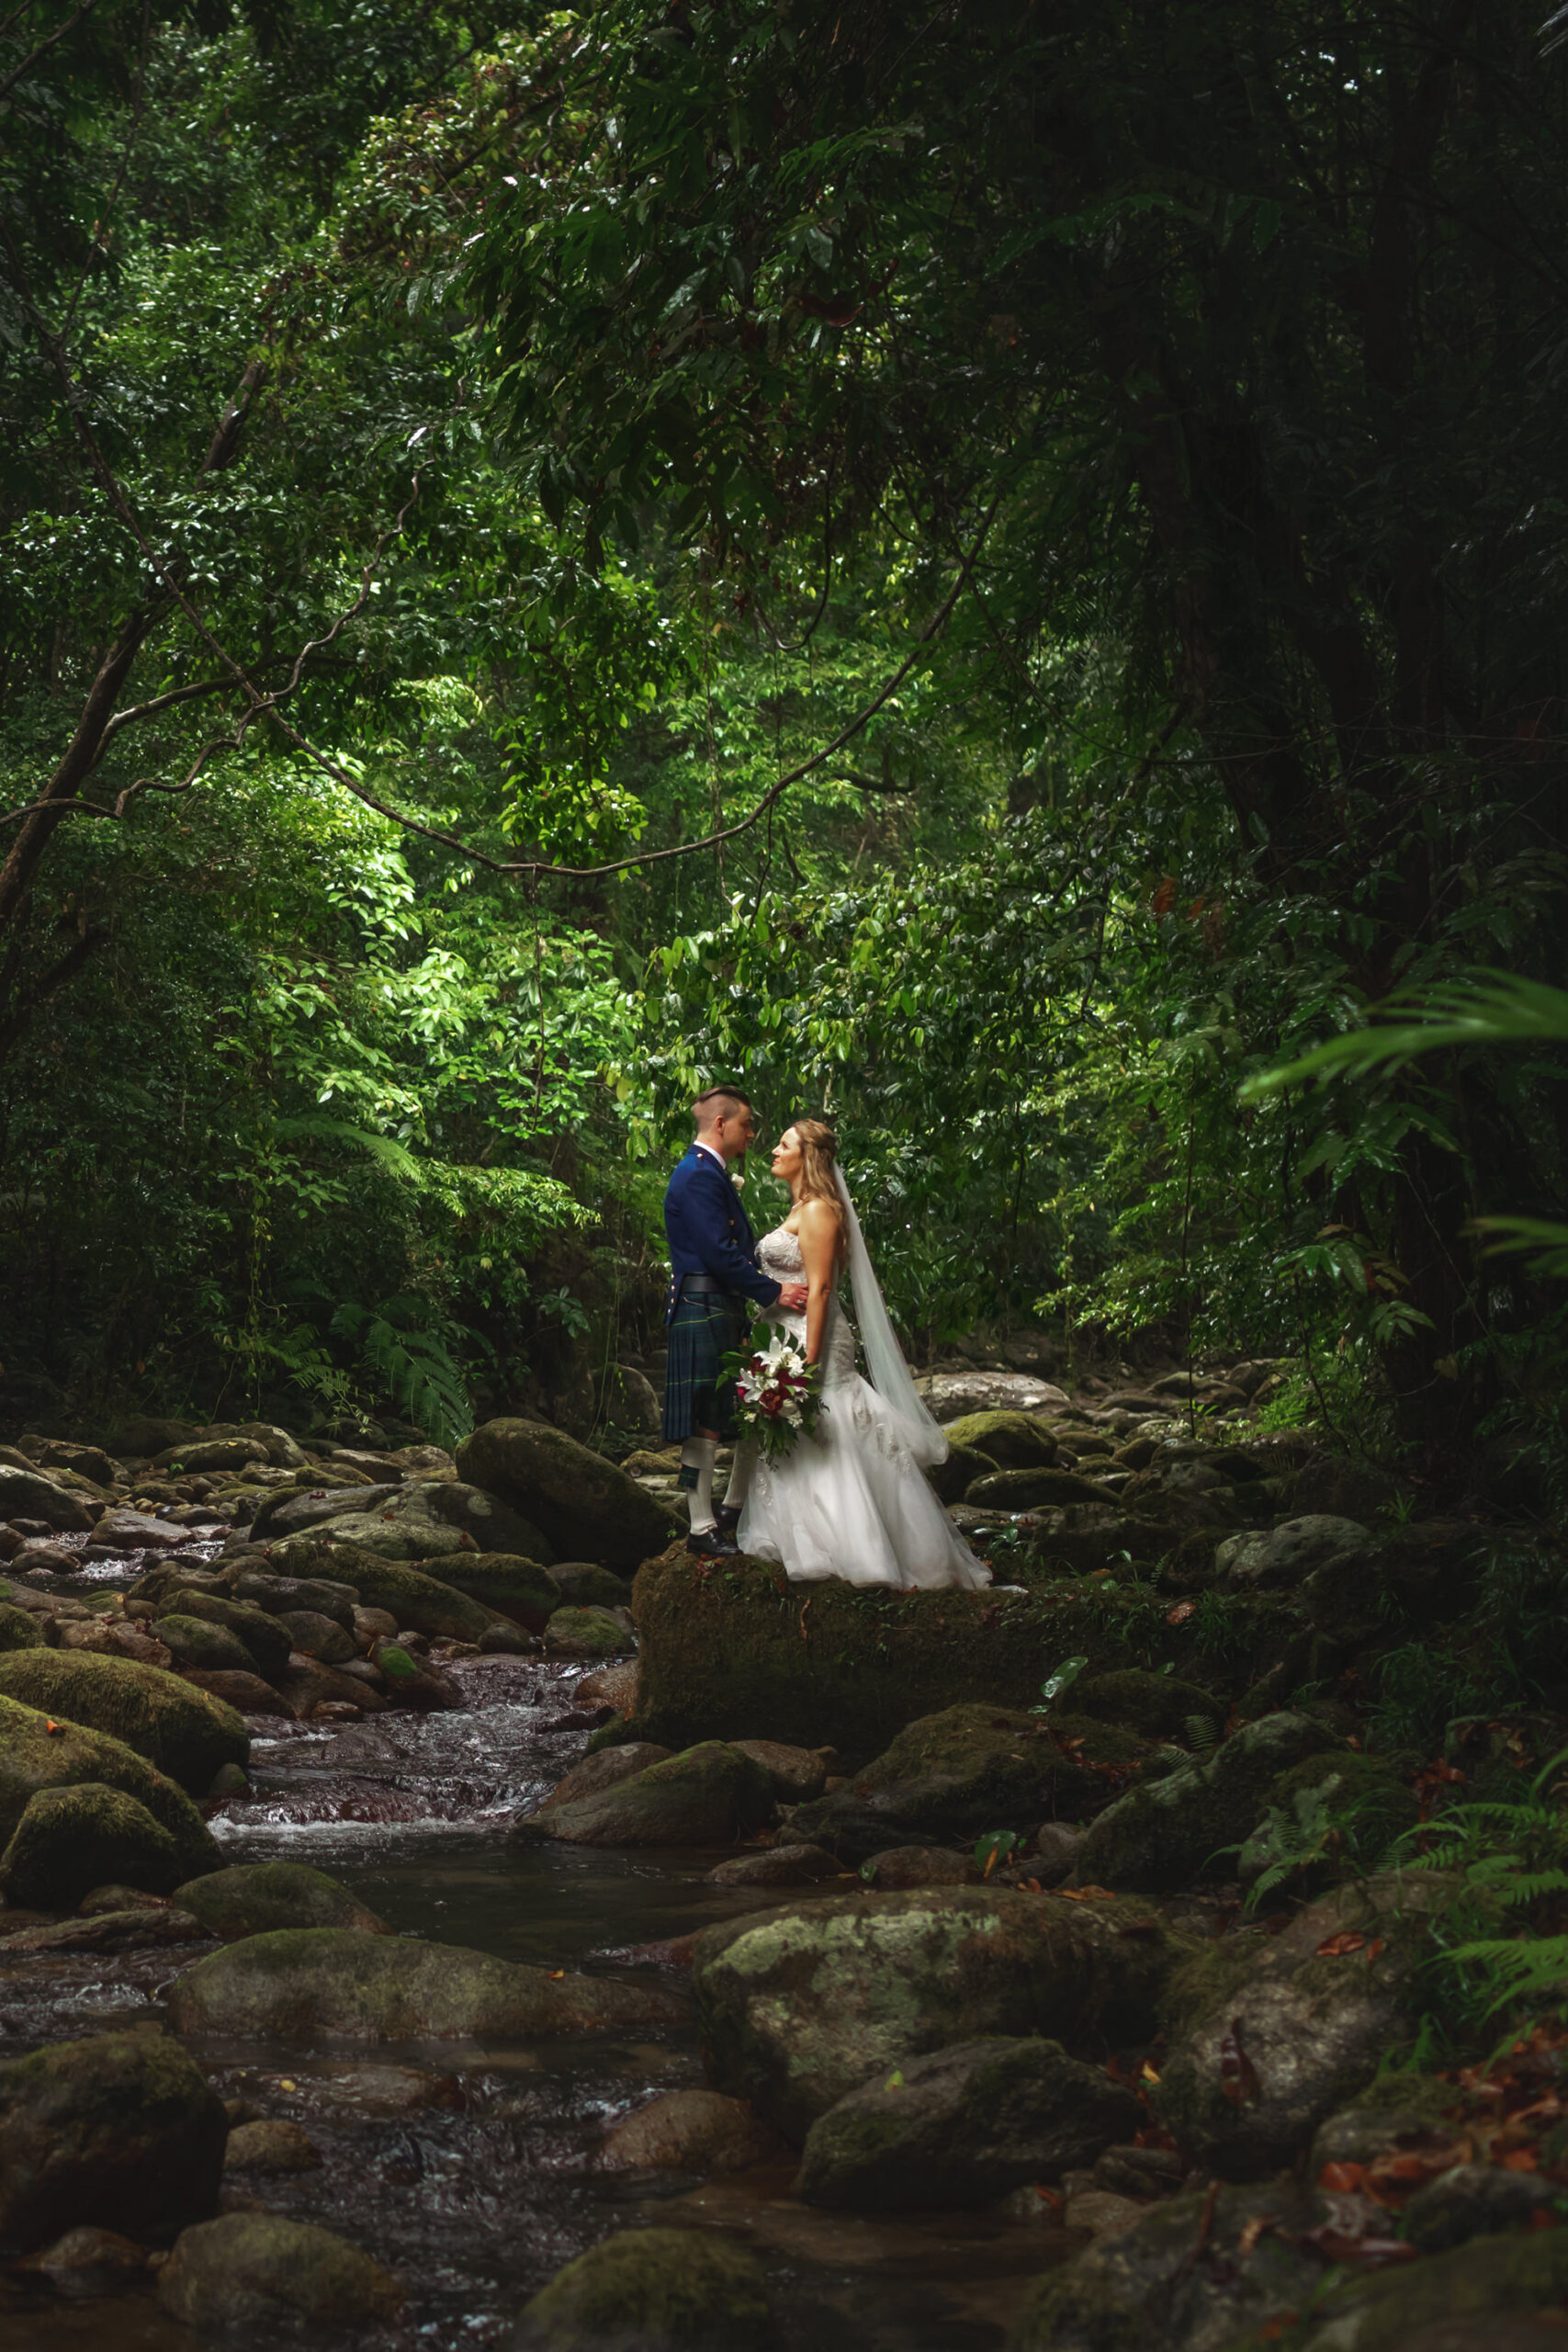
(850, 1500)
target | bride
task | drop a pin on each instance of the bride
(850, 1500)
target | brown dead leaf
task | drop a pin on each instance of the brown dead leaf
(1336, 1947)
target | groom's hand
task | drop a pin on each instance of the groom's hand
(792, 1297)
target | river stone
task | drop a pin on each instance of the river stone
(1169, 1831)
(265, 1638)
(89, 2262)
(69, 1840)
(1154, 1705)
(801, 2007)
(22, 1629)
(239, 1688)
(298, 1983)
(296, 1511)
(185, 1732)
(522, 1590)
(654, 2290)
(901, 1867)
(40, 1751)
(797, 1774)
(69, 1454)
(605, 1769)
(1012, 1441)
(693, 2130)
(711, 1795)
(952, 1476)
(586, 1632)
(432, 1519)
(205, 1455)
(206, 1649)
(779, 1866)
(28, 1493)
(582, 1584)
(964, 1771)
(963, 2126)
(281, 1597)
(420, 1604)
(1423, 2306)
(1283, 1558)
(258, 2270)
(953, 1395)
(254, 1898)
(1473, 2201)
(271, 2146)
(137, 1531)
(117, 2131)
(588, 1507)
(318, 1637)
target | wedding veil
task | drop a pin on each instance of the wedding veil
(890, 1376)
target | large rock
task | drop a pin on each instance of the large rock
(965, 2126)
(300, 1983)
(1012, 1441)
(296, 1511)
(1169, 1831)
(204, 1456)
(693, 2130)
(41, 1751)
(711, 1795)
(421, 1603)
(256, 1898)
(185, 1732)
(1041, 1489)
(204, 1647)
(588, 1508)
(28, 1493)
(283, 1597)
(69, 1454)
(137, 1531)
(440, 1518)
(1284, 1557)
(22, 1629)
(801, 2007)
(654, 2290)
(953, 1395)
(1156, 1705)
(1422, 2306)
(602, 1770)
(118, 2129)
(965, 1770)
(524, 1589)
(70, 1840)
(262, 2271)
(952, 1476)
(265, 1638)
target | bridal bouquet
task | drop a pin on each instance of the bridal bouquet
(778, 1394)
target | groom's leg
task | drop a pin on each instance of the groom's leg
(697, 1458)
(740, 1484)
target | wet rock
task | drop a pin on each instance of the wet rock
(522, 1590)
(297, 1984)
(1102, 2211)
(797, 1774)
(257, 2270)
(505, 1641)
(605, 1771)
(1283, 1558)
(1184, 2273)
(22, 1629)
(778, 1866)
(265, 1639)
(239, 1688)
(1033, 1490)
(28, 1493)
(1425, 2305)
(418, 1602)
(609, 1686)
(585, 1632)
(318, 1637)
(89, 2262)
(801, 2007)
(296, 1511)
(202, 1456)
(588, 1508)
(654, 2290)
(113, 1896)
(965, 1770)
(413, 1681)
(282, 1596)
(710, 1795)
(69, 1454)
(962, 2126)
(910, 1866)
(256, 1898)
(307, 1685)
(1474, 2202)
(40, 1751)
(271, 2146)
(137, 1531)
(690, 2131)
(205, 1648)
(1167, 1832)
(1012, 1441)
(69, 1839)
(1154, 1705)
(952, 1476)
(432, 1519)
(118, 2130)
(186, 1733)
(135, 1930)
(953, 1395)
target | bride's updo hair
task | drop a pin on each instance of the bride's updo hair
(818, 1157)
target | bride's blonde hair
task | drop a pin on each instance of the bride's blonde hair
(818, 1157)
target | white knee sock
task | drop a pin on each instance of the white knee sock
(740, 1484)
(697, 1458)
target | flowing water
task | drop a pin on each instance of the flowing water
(469, 2169)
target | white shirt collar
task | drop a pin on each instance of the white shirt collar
(717, 1156)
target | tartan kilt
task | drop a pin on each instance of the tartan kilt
(702, 1330)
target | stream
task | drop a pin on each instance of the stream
(468, 2167)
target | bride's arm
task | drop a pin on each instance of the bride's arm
(819, 1237)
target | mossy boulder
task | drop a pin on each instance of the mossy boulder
(727, 1649)
(1168, 1832)
(1157, 1706)
(264, 2271)
(654, 2290)
(952, 1476)
(322, 1638)
(966, 1769)
(42, 1751)
(1365, 1788)
(1036, 1490)
(524, 1589)
(28, 1493)
(298, 1983)
(1010, 1440)
(421, 1603)
(283, 1597)
(803, 2006)
(204, 1647)
(440, 1518)
(1286, 1557)
(257, 1898)
(22, 1629)
(70, 1840)
(588, 1508)
(582, 1584)
(265, 1638)
(689, 2131)
(710, 1795)
(586, 1632)
(185, 1732)
(120, 2130)
(1419, 2303)
(965, 2126)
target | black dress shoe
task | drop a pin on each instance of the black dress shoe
(729, 1521)
(713, 1543)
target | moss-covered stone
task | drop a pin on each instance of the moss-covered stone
(185, 1732)
(1011, 1441)
(41, 1751)
(422, 1602)
(731, 1649)
(953, 1477)
(257, 1898)
(1156, 1705)
(658, 2291)
(20, 1629)
(70, 1840)
(298, 1983)
(1366, 1790)
(118, 2129)
(263, 2271)
(801, 2007)
(1041, 1488)
(432, 1521)
(710, 1795)
(28, 1493)
(586, 1632)
(1383, 2310)
(588, 1508)
(522, 1590)
(266, 1639)
(582, 1584)
(205, 1648)
(1168, 1832)
(967, 1769)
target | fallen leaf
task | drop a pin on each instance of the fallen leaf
(1180, 1613)
(1341, 2179)
(1086, 1894)
(1147, 2075)
(1520, 2160)
(1373, 1949)
(556, 1975)
(1336, 1947)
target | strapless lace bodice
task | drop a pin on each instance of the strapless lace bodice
(778, 1255)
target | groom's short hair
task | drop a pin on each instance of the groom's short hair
(718, 1103)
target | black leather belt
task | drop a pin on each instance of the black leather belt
(705, 1286)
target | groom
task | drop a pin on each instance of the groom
(712, 1272)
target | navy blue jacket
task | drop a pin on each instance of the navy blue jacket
(709, 1232)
